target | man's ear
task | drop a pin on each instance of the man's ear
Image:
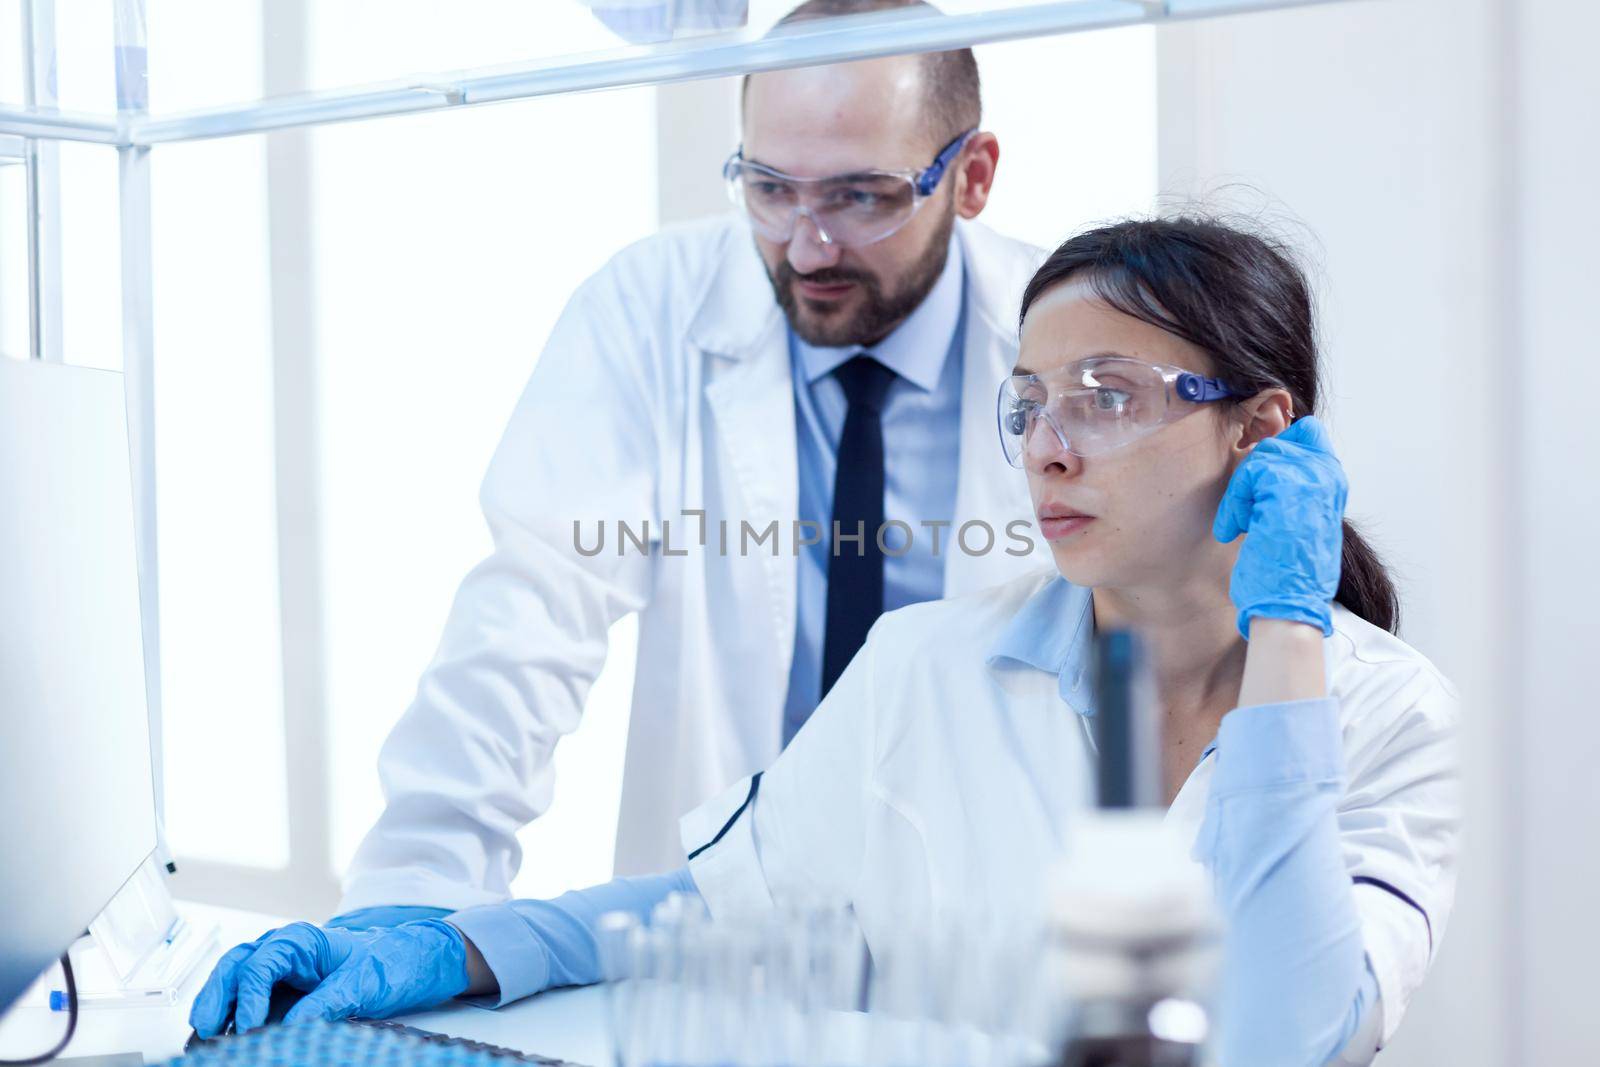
(1267, 414)
(974, 173)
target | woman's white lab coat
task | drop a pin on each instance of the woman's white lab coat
(664, 389)
(935, 781)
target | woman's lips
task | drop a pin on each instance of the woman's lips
(832, 291)
(1057, 527)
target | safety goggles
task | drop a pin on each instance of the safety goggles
(847, 209)
(1098, 404)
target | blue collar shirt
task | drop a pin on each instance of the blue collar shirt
(921, 449)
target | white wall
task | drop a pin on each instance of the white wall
(1555, 498)
(1434, 148)
(1061, 168)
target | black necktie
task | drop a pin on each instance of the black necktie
(855, 569)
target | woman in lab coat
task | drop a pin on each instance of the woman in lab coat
(1163, 405)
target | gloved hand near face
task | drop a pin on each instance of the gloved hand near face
(373, 974)
(1288, 496)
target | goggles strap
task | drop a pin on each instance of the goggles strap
(1201, 390)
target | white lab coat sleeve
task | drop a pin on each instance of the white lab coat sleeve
(1400, 825)
(468, 764)
(795, 831)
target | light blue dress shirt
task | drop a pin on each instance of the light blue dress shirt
(921, 447)
(1296, 985)
(534, 945)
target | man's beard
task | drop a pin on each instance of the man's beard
(878, 313)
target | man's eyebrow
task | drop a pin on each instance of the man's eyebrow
(858, 175)
(1019, 371)
(853, 175)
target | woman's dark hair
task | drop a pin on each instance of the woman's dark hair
(1242, 299)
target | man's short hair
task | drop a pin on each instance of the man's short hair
(953, 100)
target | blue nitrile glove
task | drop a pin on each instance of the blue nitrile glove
(370, 973)
(1288, 496)
(387, 915)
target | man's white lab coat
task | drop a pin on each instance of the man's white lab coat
(665, 390)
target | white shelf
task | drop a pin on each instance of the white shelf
(715, 55)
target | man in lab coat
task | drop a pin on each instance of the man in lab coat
(712, 407)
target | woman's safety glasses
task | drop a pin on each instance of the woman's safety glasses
(1098, 404)
(847, 209)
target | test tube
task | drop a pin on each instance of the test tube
(670, 1032)
(732, 981)
(717, 980)
(764, 1034)
(1023, 1008)
(699, 1009)
(833, 969)
(640, 1005)
(679, 907)
(789, 942)
(615, 933)
(894, 1003)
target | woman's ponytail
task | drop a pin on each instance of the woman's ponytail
(1364, 583)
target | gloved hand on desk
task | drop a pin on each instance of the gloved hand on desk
(376, 971)
(373, 973)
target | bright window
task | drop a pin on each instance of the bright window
(441, 249)
(445, 247)
(222, 668)
(1076, 118)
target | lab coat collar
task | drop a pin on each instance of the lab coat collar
(738, 312)
(1053, 632)
(995, 296)
(996, 272)
(918, 347)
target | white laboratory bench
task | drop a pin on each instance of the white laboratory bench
(567, 1024)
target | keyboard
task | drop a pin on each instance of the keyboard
(353, 1042)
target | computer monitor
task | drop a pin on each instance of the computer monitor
(77, 802)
